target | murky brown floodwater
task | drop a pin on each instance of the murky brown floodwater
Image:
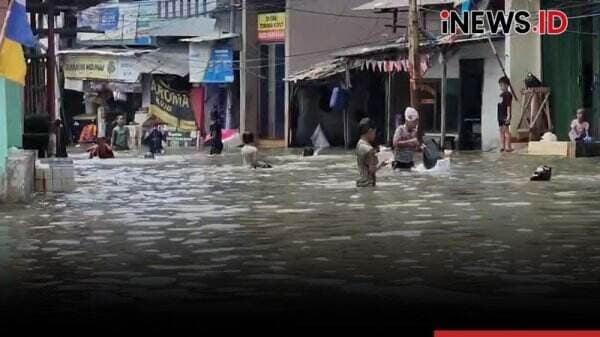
(195, 229)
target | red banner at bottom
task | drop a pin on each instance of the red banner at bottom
(509, 333)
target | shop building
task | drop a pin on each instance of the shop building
(169, 61)
(376, 78)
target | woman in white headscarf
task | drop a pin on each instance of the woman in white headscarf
(406, 140)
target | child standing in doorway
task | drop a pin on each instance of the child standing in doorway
(505, 115)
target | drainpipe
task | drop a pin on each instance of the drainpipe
(444, 96)
(243, 62)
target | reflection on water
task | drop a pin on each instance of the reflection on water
(189, 226)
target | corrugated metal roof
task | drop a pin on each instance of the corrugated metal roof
(347, 58)
(391, 4)
(403, 45)
(106, 52)
(371, 48)
(211, 37)
(319, 71)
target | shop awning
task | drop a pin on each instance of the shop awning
(401, 45)
(392, 4)
(211, 37)
(371, 49)
(320, 71)
(105, 52)
(190, 27)
(171, 60)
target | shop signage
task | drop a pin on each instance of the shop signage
(211, 65)
(115, 68)
(171, 107)
(179, 137)
(220, 68)
(271, 27)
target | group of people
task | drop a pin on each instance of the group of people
(406, 141)
(579, 129)
(119, 140)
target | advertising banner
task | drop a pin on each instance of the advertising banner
(220, 68)
(171, 107)
(211, 65)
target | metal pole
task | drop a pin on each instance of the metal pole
(346, 140)
(489, 38)
(444, 96)
(414, 60)
(243, 74)
(388, 107)
(413, 51)
(50, 63)
(232, 16)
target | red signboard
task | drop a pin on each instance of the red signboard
(511, 333)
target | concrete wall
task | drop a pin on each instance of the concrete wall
(523, 55)
(11, 124)
(491, 92)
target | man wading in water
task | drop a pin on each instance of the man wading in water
(368, 164)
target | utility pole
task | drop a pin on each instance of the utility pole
(243, 62)
(51, 63)
(413, 52)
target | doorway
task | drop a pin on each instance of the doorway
(471, 77)
(272, 91)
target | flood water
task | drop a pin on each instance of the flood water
(210, 235)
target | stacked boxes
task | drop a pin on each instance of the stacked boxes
(55, 175)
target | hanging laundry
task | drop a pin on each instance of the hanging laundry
(339, 99)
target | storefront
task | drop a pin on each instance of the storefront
(271, 71)
(110, 82)
(99, 86)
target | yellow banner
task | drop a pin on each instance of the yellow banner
(172, 107)
(272, 21)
